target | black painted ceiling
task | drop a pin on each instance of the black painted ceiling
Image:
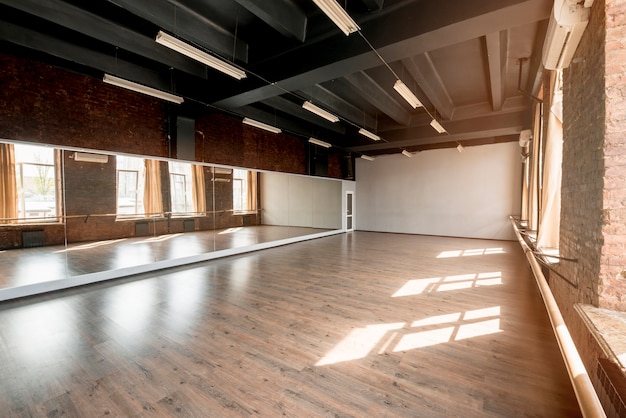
(471, 63)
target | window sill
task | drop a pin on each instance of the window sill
(244, 212)
(608, 328)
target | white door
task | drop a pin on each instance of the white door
(349, 212)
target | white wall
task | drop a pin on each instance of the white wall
(441, 192)
(292, 200)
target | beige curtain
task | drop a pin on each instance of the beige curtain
(199, 189)
(8, 184)
(525, 181)
(534, 161)
(549, 222)
(252, 190)
(152, 197)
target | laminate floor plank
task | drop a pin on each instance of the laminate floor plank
(353, 325)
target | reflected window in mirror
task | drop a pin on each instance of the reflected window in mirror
(244, 190)
(187, 189)
(30, 188)
(130, 186)
(138, 187)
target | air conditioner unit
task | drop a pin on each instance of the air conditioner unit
(90, 158)
(567, 23)
(524, 137)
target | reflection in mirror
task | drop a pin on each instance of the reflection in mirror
(68, 213)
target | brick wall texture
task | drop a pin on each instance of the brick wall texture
(593, 215)
(612, 277)
(43, 104)
(593, 198)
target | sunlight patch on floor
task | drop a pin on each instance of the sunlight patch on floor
(415, 287)
(90, 245)
(230, 230)
(158, 239)
(358, 343)
(425, 332)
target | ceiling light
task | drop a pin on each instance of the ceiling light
(459, 148)
(369, 134)
(198, 55)
(338, 15)
(320, 112)
(261, 125)
(437, 126)
(140, 88)
(406, 153)
(320, 143)
(407, 94)
(367, 157)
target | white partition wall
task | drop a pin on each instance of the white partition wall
(292, 200)
(441, 192)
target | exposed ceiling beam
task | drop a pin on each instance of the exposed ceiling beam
(309, 65)
(373, 4)
(497, 45)
(329, 100)
(288, 125)
(295, 109)
(424, 72)
(193, 27)
(79, 20)
(379, 97)
(282, 15)
(497, 125)
(84, 56)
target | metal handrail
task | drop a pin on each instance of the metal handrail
(586, 395)
(131, 217)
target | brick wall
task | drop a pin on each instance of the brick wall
(582, 184)
(593, 197)
(583, 168)
(612, 276)
(44, 104)
(47, 105)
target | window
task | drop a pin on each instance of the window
(29, 176)
(130, 185)
(240, 190)
(181, 187)
(244, 190)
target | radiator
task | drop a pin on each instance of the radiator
(189, 225)
(33, 238)
(611, 389)
(142, 229)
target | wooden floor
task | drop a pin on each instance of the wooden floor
(359, 324)
(27, 266)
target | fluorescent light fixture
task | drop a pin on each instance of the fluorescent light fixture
(459, 148)
(261, 125)
(140, 88)
(320, 143)
(319, 111)
(437, 126)
(407, 94)
(406, 153)
(338, 15)
(198, 55)
(367, 157)
(369, 134)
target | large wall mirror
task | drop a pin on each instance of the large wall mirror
(73, 217)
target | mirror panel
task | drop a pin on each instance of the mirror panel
(113, 221)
